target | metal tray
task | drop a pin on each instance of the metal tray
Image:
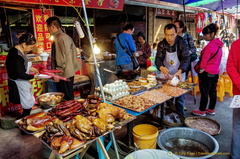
(193, 85)
(140, 91)
(133, 109)
(68, 152)
(26, 131)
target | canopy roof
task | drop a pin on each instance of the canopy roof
(229, 6)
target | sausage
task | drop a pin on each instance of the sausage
(60, 112)
(60, 107)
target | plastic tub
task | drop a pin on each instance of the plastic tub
(145, 136)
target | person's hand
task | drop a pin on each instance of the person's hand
(164, 70)
(56, 80)
(32, 69)
(35, 76)
(179, 74)
(140, 52)
(201, 70)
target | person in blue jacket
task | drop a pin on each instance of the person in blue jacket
(125, 45)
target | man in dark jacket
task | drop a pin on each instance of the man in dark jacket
(173, 59)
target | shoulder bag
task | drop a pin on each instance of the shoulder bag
(135, 63)
(197, 66)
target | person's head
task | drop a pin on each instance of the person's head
(141, 37)
(27, 42)
(129, 28)
(210, 31)
(53, 24)
(181, 28)
(170, 33)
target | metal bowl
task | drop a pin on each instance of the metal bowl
(190, 137)
(50, 102)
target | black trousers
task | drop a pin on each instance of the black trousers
(208, 84)
(66, 87)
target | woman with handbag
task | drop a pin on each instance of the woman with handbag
(209, 69)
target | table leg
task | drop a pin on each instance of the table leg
(162, 114)
(103, 148)
(129, 133)
(84, 151)
(114, 144)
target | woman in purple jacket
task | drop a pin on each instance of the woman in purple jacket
(210, 61)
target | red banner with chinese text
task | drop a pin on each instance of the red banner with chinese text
(99, 4)
(40, 27)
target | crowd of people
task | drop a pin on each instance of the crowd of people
(173, 56)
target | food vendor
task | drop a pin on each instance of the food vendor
(18, 68)
(173, 59)
(63, 57)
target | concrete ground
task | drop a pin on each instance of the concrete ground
(16, 146)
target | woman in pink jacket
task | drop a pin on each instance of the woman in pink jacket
(233, 69)
(210, 61)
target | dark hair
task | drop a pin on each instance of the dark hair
(128, 26)
(27, 38)
(54, 21)
(181, 25)
(170, 26)
(211, 28)
(141, 34)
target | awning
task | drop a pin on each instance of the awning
(97, 4)
(163, 4)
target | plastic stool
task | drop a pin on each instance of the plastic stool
(195, 80)
(227, 84)
(220, 89)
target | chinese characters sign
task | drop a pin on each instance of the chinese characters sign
(38, 87)
(99, 4)
(166, 13)
(40, 27)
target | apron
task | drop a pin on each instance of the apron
(172, 63)
(25, 90)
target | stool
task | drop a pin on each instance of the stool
(195, 80)
(220, 89)
(227, 84)
(83, 84)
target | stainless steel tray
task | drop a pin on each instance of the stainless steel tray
(26, 131)
(133, 109)
(68, 152)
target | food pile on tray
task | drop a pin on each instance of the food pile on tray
(136, 87)
(157, 96)
(173, 91)
(36, 122)
(135, 103)
(87, 120)
(148, 82)
(84, 128)
(186, 85)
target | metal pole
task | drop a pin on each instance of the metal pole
(184, 11)
(94, 56)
